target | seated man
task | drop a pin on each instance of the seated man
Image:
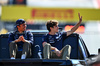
(52, 42)
(20, 40)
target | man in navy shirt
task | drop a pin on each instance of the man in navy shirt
(52, 42)
(20, 40)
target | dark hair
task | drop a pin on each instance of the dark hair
(51, 23)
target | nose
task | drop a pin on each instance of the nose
(58, 27)
(25, 25)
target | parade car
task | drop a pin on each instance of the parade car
(79, 52)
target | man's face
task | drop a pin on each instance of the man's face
(22, 27)
(55, 28)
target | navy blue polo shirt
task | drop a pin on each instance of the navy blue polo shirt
(15, 35)
(55, 40)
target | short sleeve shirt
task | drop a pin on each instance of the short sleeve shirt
(55, 40)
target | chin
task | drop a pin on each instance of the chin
(57, 31)
(24, 29)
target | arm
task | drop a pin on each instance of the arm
(58, 53)
(76, 26)
(44, 43)
(11, 38)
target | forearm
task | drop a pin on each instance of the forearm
(75, 27)
(27, 41)
(16, 40)
(52, 48)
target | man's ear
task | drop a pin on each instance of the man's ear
(18, 26)
(50, 28)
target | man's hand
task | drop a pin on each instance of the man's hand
(19, 39)
(80, 18)
(58, 53)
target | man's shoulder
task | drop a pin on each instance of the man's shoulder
(61, 33)
(11, 32)
(28, 32)
(47, 34)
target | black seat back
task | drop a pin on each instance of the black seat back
(72, 40)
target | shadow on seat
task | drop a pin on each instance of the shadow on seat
(72, 40)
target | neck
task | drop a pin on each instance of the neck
(52, 33)
(20, 31)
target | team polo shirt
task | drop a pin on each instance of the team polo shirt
(55, 40)
(15, 35)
